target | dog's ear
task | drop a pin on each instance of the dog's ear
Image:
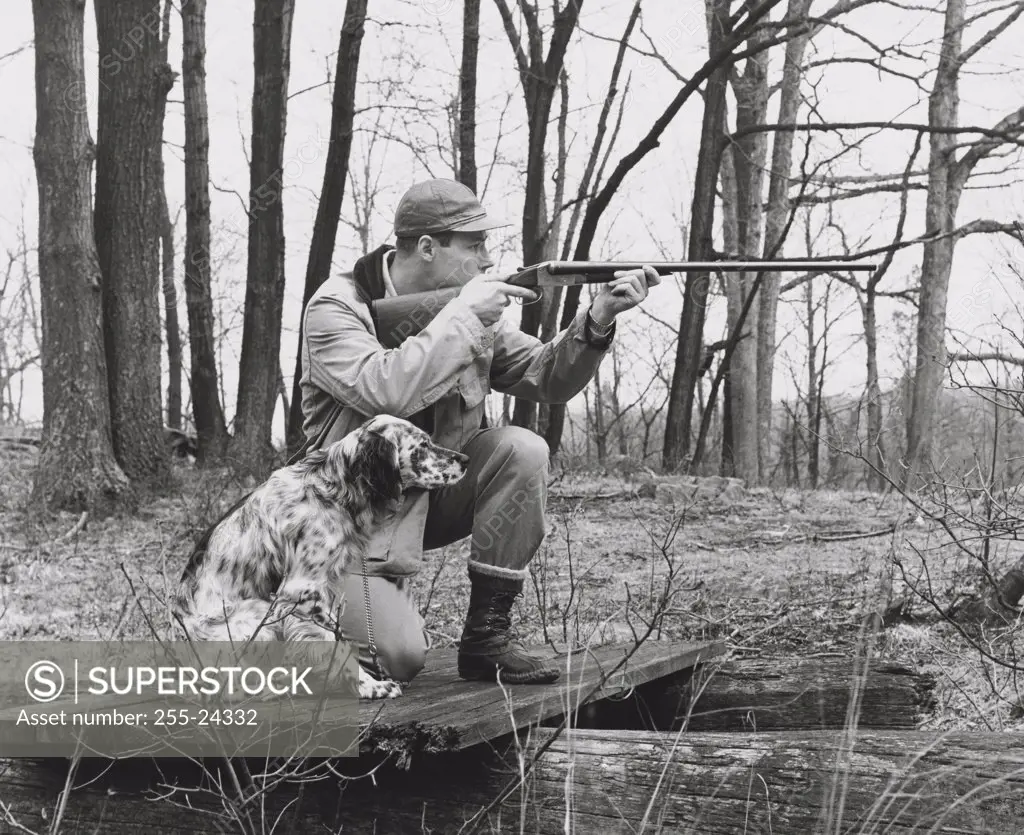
(374, 467)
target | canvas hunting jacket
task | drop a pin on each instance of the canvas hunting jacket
(438, 378)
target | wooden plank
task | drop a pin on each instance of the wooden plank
(439, 712)
(590, 781)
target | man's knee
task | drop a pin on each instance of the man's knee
(530, 451)
(406, 657)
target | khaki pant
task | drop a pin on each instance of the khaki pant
(499, 502)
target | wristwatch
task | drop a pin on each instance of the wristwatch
(598, 336)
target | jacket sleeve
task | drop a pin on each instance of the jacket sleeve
(346, 361)
(554, 372)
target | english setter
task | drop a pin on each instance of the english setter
(269, 568)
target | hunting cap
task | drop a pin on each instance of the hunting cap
(435, 206)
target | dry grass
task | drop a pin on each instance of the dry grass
(752, 574)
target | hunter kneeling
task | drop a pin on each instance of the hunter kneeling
(438, 378)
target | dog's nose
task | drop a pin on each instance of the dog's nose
(462, 459)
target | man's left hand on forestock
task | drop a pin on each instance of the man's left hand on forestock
(625, 291)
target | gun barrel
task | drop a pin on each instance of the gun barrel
(597, 268)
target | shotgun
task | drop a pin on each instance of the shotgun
(399, 317)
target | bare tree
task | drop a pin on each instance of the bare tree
(776, 221)
(467, 93)
(19, 316)
(947, 176)
(134, 83)
(259, 368)
(691, 325)
(555, 418)
(207, 411)
(172, 327)
(744, 166)
(538, 75)
(328, 211)
(77, 469)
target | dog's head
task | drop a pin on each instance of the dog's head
(387, 456)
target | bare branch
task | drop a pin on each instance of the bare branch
(987, 356)
(992, 34)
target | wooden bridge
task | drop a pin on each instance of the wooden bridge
(444, 758)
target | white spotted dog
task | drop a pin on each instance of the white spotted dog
(268, 569)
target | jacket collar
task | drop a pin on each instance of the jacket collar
(368, 274)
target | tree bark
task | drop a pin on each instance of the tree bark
(776, 224)
(751, 91)
(797, 694)
(259, 367)
(813, 401)
(937, 258)
(873, 390)
(592, 781)
(77, 469)
(700, 248)
(207, 409)
(134, 82)
(172, 327)
(332, 193)
(467, 93)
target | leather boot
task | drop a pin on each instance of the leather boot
(488, 645)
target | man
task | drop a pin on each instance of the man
(438, 379)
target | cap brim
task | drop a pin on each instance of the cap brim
(482, 224)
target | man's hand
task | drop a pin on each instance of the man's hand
(488, 295)
(625, 291)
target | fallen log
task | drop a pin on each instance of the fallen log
(782, 694)
(595, 781)
(773, 694)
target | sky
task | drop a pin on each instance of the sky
(418, 43)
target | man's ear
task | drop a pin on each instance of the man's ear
(425, 247)
(374, 468)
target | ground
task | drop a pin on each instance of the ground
(768, 571)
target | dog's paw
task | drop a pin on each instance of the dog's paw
(373, 688)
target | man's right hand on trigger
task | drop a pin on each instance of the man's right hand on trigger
(488, 295)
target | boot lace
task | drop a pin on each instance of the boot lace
(499, 616)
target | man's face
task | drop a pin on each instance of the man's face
(465, 258)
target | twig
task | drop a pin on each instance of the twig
(69, 534)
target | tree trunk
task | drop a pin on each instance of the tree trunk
(588, 782)
(734, 302)
(332, 193)
(207, 411)
(813, 394)
(77, 469)
(751, 92)
(172, 327)
(937, 259)
(773, 694)
(700, 248)
(133, 86)
(467, 93)
(873, 392)
(539, 75)
(258, 370)
(776, 223)
(571, 298)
